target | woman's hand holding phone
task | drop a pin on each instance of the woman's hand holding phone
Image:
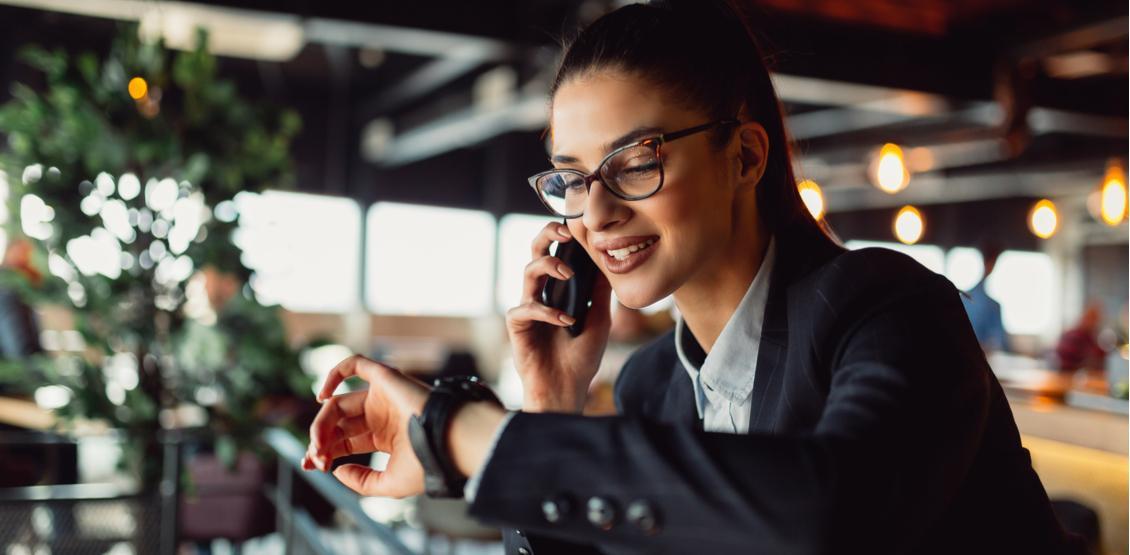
(556, 368)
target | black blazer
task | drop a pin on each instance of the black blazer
(876, 427)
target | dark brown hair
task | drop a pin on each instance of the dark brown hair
(703, 53)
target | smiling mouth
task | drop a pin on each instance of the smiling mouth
(626, 252)
(626, 259)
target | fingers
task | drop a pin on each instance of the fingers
(552, 232)
(355, 365)
(535, 273)
(523, 314)
(361, 479)
(326, 428)
(321, 458)
(361, 443)
(352, 445)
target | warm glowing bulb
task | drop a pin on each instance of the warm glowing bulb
(138, 88)
(812, 196)
(1113, 196)
(890, 170)
(909, 225)
(1043, 220)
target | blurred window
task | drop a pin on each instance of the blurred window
(426, 260)
(1024, 284)
(515, 234)
(964, 267)
(304, 249)
(929, 256)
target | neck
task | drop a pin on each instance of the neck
(710, 297)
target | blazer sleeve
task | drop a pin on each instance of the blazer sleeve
(903, 419)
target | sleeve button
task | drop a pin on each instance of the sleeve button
(523, 551)
(644, 516)
(555, 509)
(601, 513)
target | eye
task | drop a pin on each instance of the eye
(641, 166)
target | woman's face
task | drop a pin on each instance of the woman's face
(689, 223)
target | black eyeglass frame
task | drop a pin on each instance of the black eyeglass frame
(657, 142)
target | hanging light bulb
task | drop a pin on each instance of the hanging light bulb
(813, 197)
(888, 170)
(1043, 219)
(1113, 194)
(909, 225)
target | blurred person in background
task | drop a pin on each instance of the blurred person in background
(19, 327)
(1078, 348)
(809, 400)
(984, 311)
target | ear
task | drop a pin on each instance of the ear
(753, 153)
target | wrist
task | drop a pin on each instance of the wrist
(469, 436)
(554, 400)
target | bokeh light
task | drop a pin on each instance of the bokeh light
(813, 197)
(889, 171)
(1043, 219)
(1113, 195)
(138, 88)
(909, 225)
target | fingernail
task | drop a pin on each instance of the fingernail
(564, 271)
(567, 319)
(564, 231)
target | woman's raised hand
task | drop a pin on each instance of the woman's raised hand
(556, 369)
(366, 421)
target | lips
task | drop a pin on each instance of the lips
(625, 254)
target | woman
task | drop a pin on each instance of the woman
(810, 400)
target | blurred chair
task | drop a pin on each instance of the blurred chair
(1081, 520)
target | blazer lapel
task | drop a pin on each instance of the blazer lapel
(771, 351)
(797, 255)
(678, 405)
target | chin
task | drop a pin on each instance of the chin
(637, 296)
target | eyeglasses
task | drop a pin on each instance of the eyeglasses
(631, 172)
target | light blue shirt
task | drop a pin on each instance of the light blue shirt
(723, 380)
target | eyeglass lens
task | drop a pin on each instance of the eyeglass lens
(632, 173)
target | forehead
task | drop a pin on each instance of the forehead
(591, 111)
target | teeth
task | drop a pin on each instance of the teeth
(624, 253)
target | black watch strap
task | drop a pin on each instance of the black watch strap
(427, 432)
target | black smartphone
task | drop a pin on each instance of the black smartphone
(574, 295)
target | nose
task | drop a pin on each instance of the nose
(602, 209)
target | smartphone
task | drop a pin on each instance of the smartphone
(574, 295)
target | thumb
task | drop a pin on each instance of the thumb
(361, 479)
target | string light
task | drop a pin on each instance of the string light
(1043, 219)
(1113, 195)
(909, 225)
(813, 197)
(889, 172)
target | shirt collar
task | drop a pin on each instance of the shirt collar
(729, 367)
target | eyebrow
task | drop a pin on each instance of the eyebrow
(627, 138)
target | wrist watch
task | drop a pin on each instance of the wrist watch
(427, 432)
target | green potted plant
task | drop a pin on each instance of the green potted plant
(122, 170)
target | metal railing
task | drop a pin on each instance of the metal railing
(84, 518)
(92, 518)
(295, 524)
